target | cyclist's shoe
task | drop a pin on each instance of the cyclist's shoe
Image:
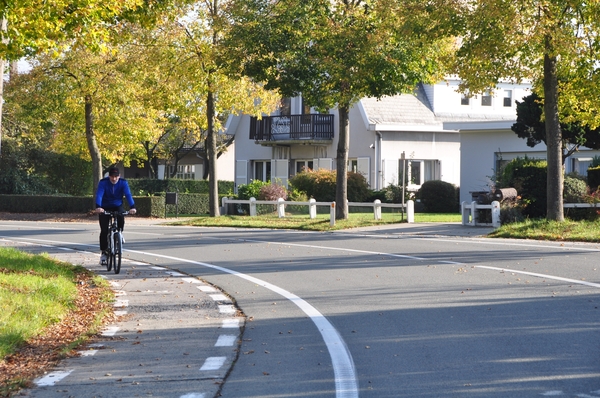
(103, 259)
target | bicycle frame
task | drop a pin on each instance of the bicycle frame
(115, 242)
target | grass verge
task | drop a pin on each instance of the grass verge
(47, 308)
(568, 230)
(303, 222)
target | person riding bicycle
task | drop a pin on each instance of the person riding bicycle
(109, 197)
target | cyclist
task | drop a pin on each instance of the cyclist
(109, 197)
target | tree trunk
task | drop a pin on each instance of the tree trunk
(341, 186)
(2, 63)
(211, 154)
(92, 144)
(555, 211)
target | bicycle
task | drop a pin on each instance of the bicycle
(115, 242)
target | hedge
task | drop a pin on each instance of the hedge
(150, 186)
(147, 206)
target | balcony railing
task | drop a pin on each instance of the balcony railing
(317, 127)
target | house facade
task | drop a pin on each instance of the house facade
(434, 133)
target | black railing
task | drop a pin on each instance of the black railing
(292, 127)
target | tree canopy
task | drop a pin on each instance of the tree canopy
(554, 45)
(335, 52)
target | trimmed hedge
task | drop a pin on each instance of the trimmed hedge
(147, 206)
(150, 186)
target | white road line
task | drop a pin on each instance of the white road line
(227, 309)
(207, 289)
(220, 297)
(226, 340)
(213, 363)
(174, 273)
(110, 331)
(556, 278)
(230, 323)
(190, 280)
(88, 353)
(346, 382)
(193, 395)
(52, 378)
(121, 303)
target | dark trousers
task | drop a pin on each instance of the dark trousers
(105, 224)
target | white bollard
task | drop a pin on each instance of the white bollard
(473, 213)
(280, 208)
(224, 205)
(495, 214)
(312, 208)
(377, 209)
(410, 211)
(465, 213)
(332, 214)
(252, 207)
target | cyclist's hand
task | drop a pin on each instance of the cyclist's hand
(99, 210)
(132, 211)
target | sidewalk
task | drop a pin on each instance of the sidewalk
(176, 337)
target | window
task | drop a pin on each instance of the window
(508, 98)
(285, 108)
(262, 170)
(302, 165)
(486, 99)
(184, 171)
(305, 112)
(464, 99)
(353, 165)
(419, 171)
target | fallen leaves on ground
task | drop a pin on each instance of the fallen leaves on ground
(41, 353)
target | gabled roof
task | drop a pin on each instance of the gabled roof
(413, 112)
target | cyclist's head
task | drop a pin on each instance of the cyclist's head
(114, 174)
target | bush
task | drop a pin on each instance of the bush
(593, 177)
(320, 185)
(528, 176)
(252, 190)
(272, 192)
(574, 189)
(439, 197)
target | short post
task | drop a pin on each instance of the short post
(280, 208)
(495, 214)
(377, 209)
(252, 207)
(410, 211)
(332, 214)
(224, 205)
(473, 213)
(465, 213)
(312, 208)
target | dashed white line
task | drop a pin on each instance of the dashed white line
(207, 289)
(52, 378)
(110, 331)
(213, 363)
(220, 297)
(230, 323)
(227, 309)
(226, 340)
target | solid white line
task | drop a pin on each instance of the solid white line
(557, 278)
(52, 378)
(346, 383)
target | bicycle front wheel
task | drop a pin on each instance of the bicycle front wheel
(110, 260)
(117, 242)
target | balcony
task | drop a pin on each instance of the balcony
(313, 129)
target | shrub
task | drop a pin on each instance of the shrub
(574, 189)
(528, 176)
(439, 197)
(252, 190)
(320, 185)
(593, 177)
(272, 191)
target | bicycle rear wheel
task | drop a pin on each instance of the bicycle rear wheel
(117, 256)
(109, 251)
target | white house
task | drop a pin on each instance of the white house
(436, 132)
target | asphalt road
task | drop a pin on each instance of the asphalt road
(410, 311)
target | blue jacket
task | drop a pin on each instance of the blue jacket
(110, 195)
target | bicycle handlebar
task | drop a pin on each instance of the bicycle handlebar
(115, 213)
